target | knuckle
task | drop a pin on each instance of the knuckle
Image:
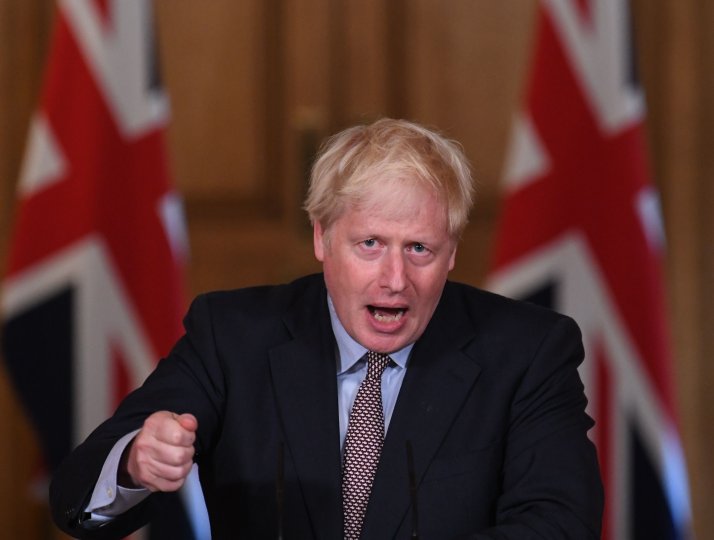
(174, 456)
(141, 443)
(173, 437)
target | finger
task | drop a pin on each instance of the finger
(160, 483)
(171, 454)
(188, 421)
(154, 472)
(169, 473)
(167, 429)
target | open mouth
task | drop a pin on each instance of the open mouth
(386, 314)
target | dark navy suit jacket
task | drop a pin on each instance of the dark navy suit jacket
(491, 402)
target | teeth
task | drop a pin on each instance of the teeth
(382, 317)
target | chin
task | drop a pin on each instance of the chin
(387, 346)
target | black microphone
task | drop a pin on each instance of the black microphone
(413, 491)
(280, 488)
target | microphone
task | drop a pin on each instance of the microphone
(413, 491)
(280, 488)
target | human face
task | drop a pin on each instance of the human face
(385, 265)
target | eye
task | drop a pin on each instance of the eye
(369, 243)
(419, 248)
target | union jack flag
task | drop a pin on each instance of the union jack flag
(94, 292)
(580, 231)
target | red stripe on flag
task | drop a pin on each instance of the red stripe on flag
(120, 375)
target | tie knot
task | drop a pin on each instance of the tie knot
(376, 363)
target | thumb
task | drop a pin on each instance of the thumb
(188, 422)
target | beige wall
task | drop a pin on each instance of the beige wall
(256, 84)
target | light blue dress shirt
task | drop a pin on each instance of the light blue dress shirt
(352, 369)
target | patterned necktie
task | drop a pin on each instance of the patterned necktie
(363, 445)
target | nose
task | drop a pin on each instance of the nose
(393, 272)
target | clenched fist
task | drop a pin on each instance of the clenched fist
(161, 455)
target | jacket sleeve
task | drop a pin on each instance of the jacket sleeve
(189, 379)
(551, 485)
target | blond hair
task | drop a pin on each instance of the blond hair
(352, 164)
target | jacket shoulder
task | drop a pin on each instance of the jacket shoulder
(485, 302)
(252, 311)
(263, 299)
(497, 317)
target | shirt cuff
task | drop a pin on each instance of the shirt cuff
(109, 499)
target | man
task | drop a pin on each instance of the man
(291, 388)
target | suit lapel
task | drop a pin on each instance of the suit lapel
(304, 376)
(438, 380)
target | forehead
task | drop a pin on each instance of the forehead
(399, 197)
(408, 207)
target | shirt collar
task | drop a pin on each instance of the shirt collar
(350, 352)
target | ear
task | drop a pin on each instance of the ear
(318, 241)
(452, 259)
